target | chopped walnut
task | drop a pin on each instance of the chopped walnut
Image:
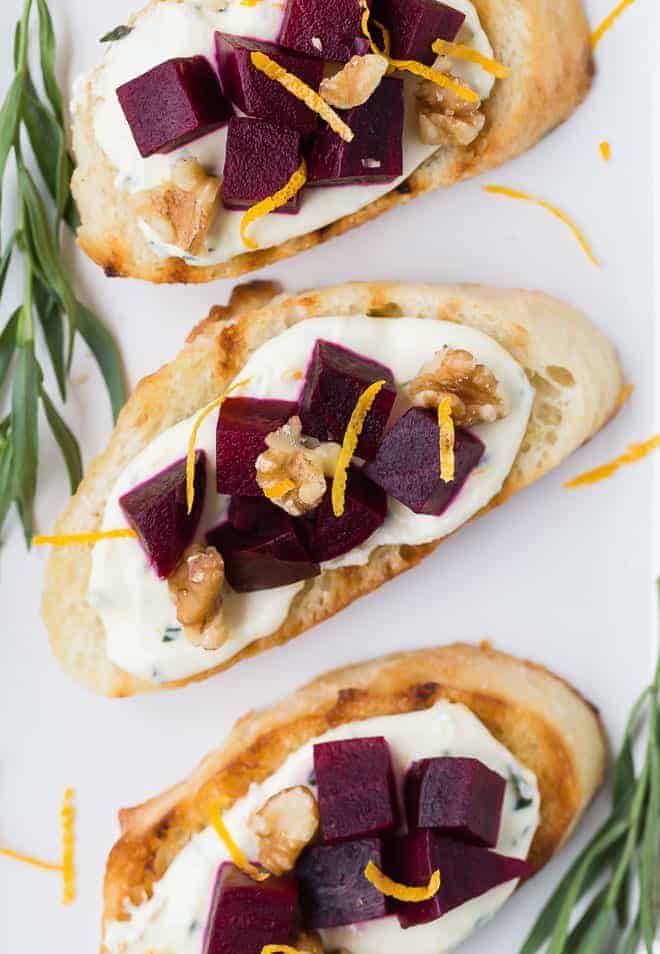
(309, 942)
(445, 119)
(196, 587)
(292, 471)
(472, 387)
(181, 211)
(355, 82)
(284, 826)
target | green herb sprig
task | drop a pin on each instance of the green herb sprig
(621, 863)
(49, 300)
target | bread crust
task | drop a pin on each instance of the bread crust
(538, 716)
(572, 366)
(544, 43)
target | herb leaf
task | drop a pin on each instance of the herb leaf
(6, 476)
(8, 340)
(47, 50)
(102, 345)
(50, 319)
(24, 431)
(66, 440)
(118, 33)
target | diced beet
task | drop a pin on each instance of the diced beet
(407, 464)
(248, 513)
(365, 510)
(260, 160)
(466, 871)
(415, 24)
(460, 797)
(269, 555)
(330, 31)
(257, 95)
(244, 423)
(157, 510)
(174, 103)
(332, 886)
(246, 915)
(357, 791)
(334, 381)
(376, 152)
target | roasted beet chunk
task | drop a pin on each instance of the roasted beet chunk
(357, 790)
(365, 510)
(260, 160)
(246, 915)
(333, 889)
(334, 381)
(158, 512)
(243, 425)
(457, 796)
(376, 152)
(257, 95)
(415, 24)
(466, 872)
(267, 555)
(407, 464)
(330, 31)
(174, 103)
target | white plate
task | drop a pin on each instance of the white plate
(563, 577)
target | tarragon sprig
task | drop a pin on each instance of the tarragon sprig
(49, 300)
(618, 873)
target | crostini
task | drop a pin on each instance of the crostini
(219, 137)
(391, 805)
(295, 457)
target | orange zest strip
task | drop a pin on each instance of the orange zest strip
(402, 892)
(525, 197)
(30, 860)
(458, 51)
(280, 949)
(605, 151)
(625, 394)
(609, 22)
(303, 92)
(447, 437)
(190, 459)
(387, 39)
(80, 539)
(279, 489)
(634, 453)
(68, 819)
(236, 854)
(349, 446)
(272, 202)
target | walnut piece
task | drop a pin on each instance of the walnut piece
(355, 82)
(446, 119)
(196, 588)
(472, 387)
(181, 211)
(300, 461)
(284, 826)
(309, 942)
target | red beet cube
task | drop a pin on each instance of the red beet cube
(407, 464)
(257, 95)
(334, 381)
(365, 510)
(330, 31)
(246, 915)
(357, 791)
(466, 871)
(157, 510)
(332, 886)
(415, 24)
(376, 152)
(174, 103)
(244, 423)
(269, 554)
(457, 796)
(260, 160)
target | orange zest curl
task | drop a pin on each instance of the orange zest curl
(302, 91)
(236, 854)
(447, 438)
(280, 949)
(605, 151)
(526, 197)
(350, 443)
(458, 51)
(279, 489)
(80, 539)
(68, 819)
(272, 202)
(609, 22)
(29, 860)
(634, 453)
(401, 892)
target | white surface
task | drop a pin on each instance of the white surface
(562, 577)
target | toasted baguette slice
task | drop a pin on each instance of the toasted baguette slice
(545, 723)
(572, 366)
(544, 43)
